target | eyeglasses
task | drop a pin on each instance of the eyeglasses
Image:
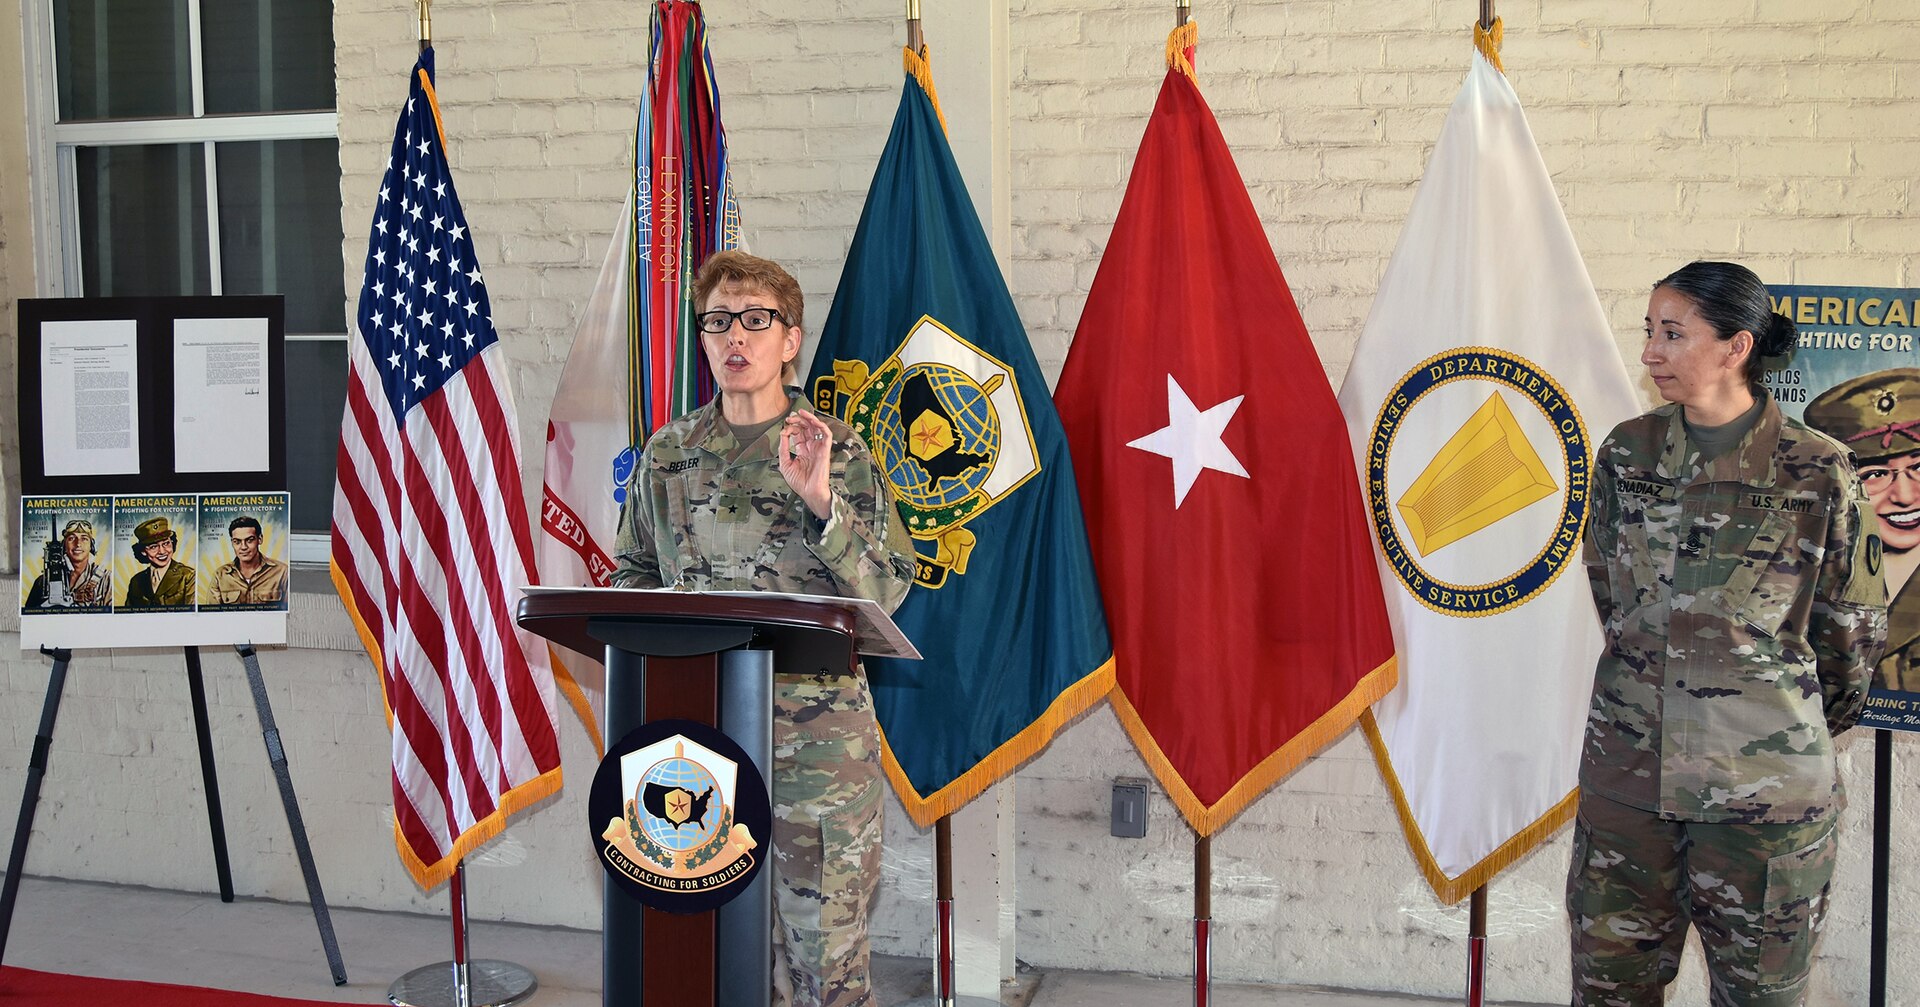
(1878, 479)
(751, 319)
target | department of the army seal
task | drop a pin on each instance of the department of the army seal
(1495, 435)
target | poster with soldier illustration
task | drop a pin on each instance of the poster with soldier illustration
(1856, 378)
(243, 551)
(153, 570)
(64, 569)
(155, 553)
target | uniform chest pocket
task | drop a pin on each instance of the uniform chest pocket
(1766, 560)
(680, 533)
(1644, 557)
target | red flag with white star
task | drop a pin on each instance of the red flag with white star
(1228, 529)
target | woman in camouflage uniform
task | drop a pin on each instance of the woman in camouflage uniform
(1736, 568)
(755, 491)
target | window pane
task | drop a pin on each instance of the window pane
(267, 55)
(280, 228)
(143, 220)
(122, 59)
(316, 397)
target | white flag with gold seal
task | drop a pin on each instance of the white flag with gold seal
(1483, 382)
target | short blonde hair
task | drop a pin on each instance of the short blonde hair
(734, 268)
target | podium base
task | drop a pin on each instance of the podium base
(490, 983)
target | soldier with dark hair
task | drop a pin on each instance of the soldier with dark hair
(755, 491)
(1878, 416)
(252, 577)
(1736, 568)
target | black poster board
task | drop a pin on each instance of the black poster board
(155, 321)
(153, 437)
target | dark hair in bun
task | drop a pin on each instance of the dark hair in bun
(1732, 299)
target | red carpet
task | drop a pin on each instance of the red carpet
(27, 988)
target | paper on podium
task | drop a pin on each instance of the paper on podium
(875, 634)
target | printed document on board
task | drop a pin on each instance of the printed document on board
(89, 397)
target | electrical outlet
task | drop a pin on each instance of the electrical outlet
(1129, 808)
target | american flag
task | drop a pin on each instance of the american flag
(431, 540)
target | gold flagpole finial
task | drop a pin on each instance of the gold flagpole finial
(1182, 12)
(426, 24)
(915, 40)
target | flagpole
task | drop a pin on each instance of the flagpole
(1477, 907)
(944, 994)
(1882, 855)
(1202, 920)
(426, 25)
(1202, 845)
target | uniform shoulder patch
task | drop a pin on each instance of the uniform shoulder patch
(1866, 581)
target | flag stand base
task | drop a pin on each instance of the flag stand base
(943, 981)
(462, 982)
(490, 983)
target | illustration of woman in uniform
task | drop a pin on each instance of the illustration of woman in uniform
(1878, 416)
(165, 583)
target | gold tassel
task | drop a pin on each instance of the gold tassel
(1487, 40)
(920, 66)
(1179, 41)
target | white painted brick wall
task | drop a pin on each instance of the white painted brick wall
(16, 261)
(1775, 132)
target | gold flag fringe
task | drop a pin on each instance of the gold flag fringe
(1487, 40)
(919, 66)
(523, 796)
(367, 641)
(576, 698)
(1179, 41)
(1451, 890)
(1072, 702)
(511, 803)
(1207, 819)
(433, 102)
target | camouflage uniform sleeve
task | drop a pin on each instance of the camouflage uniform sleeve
(636, 558)
(1603, 528)
(1848, 625)
(862, 541)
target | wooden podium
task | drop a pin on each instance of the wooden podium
(711, 658)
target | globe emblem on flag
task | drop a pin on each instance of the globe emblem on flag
(686, 791)
(936, 435)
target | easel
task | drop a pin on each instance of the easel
(276, 758)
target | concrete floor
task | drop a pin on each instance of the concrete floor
(123, 932)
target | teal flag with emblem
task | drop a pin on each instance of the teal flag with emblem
(924, 355)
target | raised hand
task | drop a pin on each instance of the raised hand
(806, 455)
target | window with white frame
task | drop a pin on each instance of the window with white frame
(189, 147)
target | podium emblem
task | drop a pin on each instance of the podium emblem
(681, 816)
